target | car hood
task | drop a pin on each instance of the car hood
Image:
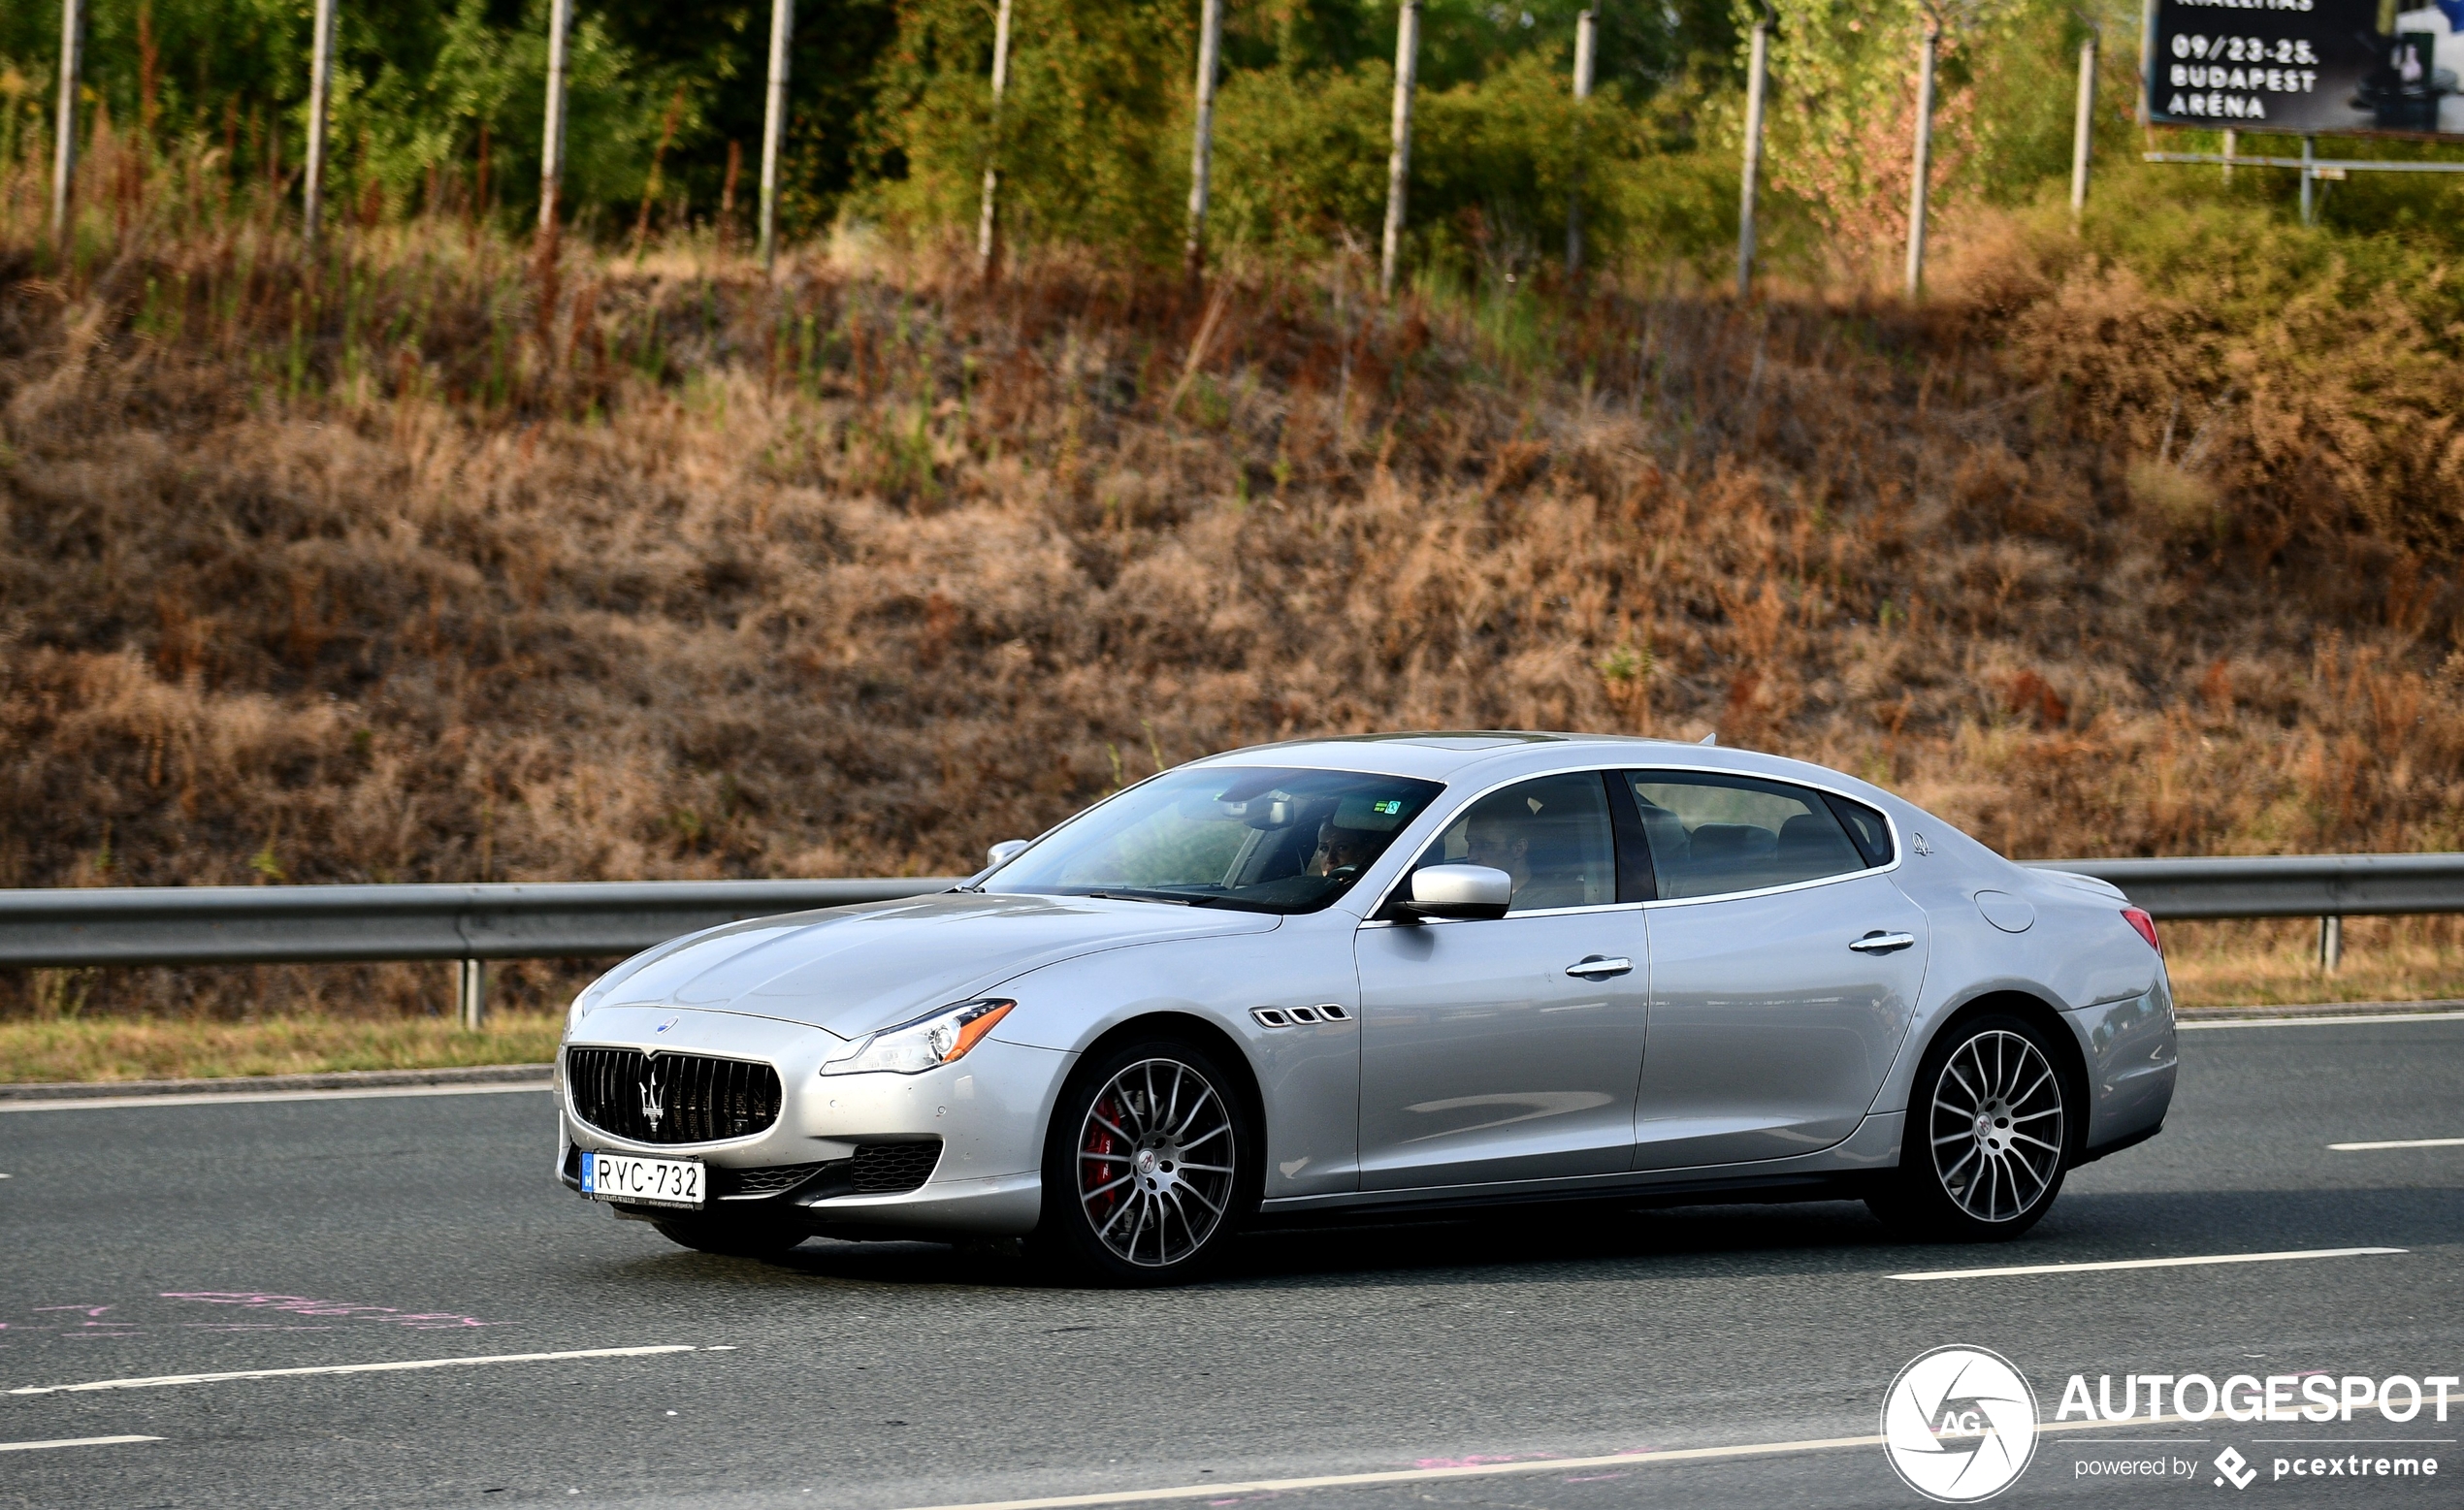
(851, 970)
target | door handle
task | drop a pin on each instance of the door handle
(1879, 943)
(1592, 965)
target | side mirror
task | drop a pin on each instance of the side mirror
(1456, 891)
(999, 854)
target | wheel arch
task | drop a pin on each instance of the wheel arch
(2070, 1062)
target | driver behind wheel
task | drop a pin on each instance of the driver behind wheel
(1342, 850)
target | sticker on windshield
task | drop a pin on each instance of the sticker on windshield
(1382, 815)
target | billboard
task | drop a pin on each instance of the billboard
(2307, 66)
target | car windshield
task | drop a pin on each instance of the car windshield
(1248, 837)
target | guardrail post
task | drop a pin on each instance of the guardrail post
(2331, 943)
(470, 993)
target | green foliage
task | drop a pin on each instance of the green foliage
(1092, 135)
(417, 85)
(1300, 166)
(438, 108)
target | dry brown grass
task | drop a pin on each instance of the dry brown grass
(2276, 962)
(423, 566)
(48, 1051)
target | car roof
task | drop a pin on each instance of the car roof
(1485, 755)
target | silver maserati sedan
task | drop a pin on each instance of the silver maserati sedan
(1406, 971)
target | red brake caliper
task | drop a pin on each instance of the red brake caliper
(1092, 1173)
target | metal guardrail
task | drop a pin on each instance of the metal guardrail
(250, 925)
(2288, 885)
(264, 925)
(469, 924)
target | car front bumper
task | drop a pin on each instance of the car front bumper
(976, 1125)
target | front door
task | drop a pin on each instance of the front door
(1507, 1048)
(1774, 1016)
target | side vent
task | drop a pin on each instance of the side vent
(1292, 1017)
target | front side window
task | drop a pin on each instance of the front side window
(1712, 834)
(1552, 835)
(1252, 838)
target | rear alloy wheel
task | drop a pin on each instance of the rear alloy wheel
(728, 1236)
(1988, 1134)
(1145, 1172)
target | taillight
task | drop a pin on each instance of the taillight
(2146, 926)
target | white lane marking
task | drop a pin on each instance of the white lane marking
(2401, 1143)
(74, 1441)
(2155, 1263)
(2316, 1022)
(242, 1098)
(1639, 1459)
(158, 1380)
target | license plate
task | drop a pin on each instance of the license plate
(622, 1177)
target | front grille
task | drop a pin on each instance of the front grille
(700, 1098)
(893, 1169)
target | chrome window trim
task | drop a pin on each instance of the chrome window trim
(1898, 846)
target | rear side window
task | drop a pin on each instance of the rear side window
(1870, 830)
(1714, 834)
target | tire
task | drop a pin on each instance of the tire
(731, 1237)
(1151, 1163)
(1989, 1136)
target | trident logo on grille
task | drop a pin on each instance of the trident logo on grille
(653, 1108)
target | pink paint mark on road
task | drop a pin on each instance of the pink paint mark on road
(90, 1310)
(305, 1306)
(1479, 1460)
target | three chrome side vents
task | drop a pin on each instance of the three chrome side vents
(1297, 1017)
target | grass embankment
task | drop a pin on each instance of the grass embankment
(37, 1050)
(412, 564)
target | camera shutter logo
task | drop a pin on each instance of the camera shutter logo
(1960, 1424)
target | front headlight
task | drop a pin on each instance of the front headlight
(936, 1038)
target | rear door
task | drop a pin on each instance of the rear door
(1785, 968)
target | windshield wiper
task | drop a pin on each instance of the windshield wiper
(1145, 896)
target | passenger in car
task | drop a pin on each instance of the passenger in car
(1495, 840)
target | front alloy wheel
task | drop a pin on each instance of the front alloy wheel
(1142, 1177)
(1987, 1136)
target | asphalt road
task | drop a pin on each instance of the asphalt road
(183, 1239)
